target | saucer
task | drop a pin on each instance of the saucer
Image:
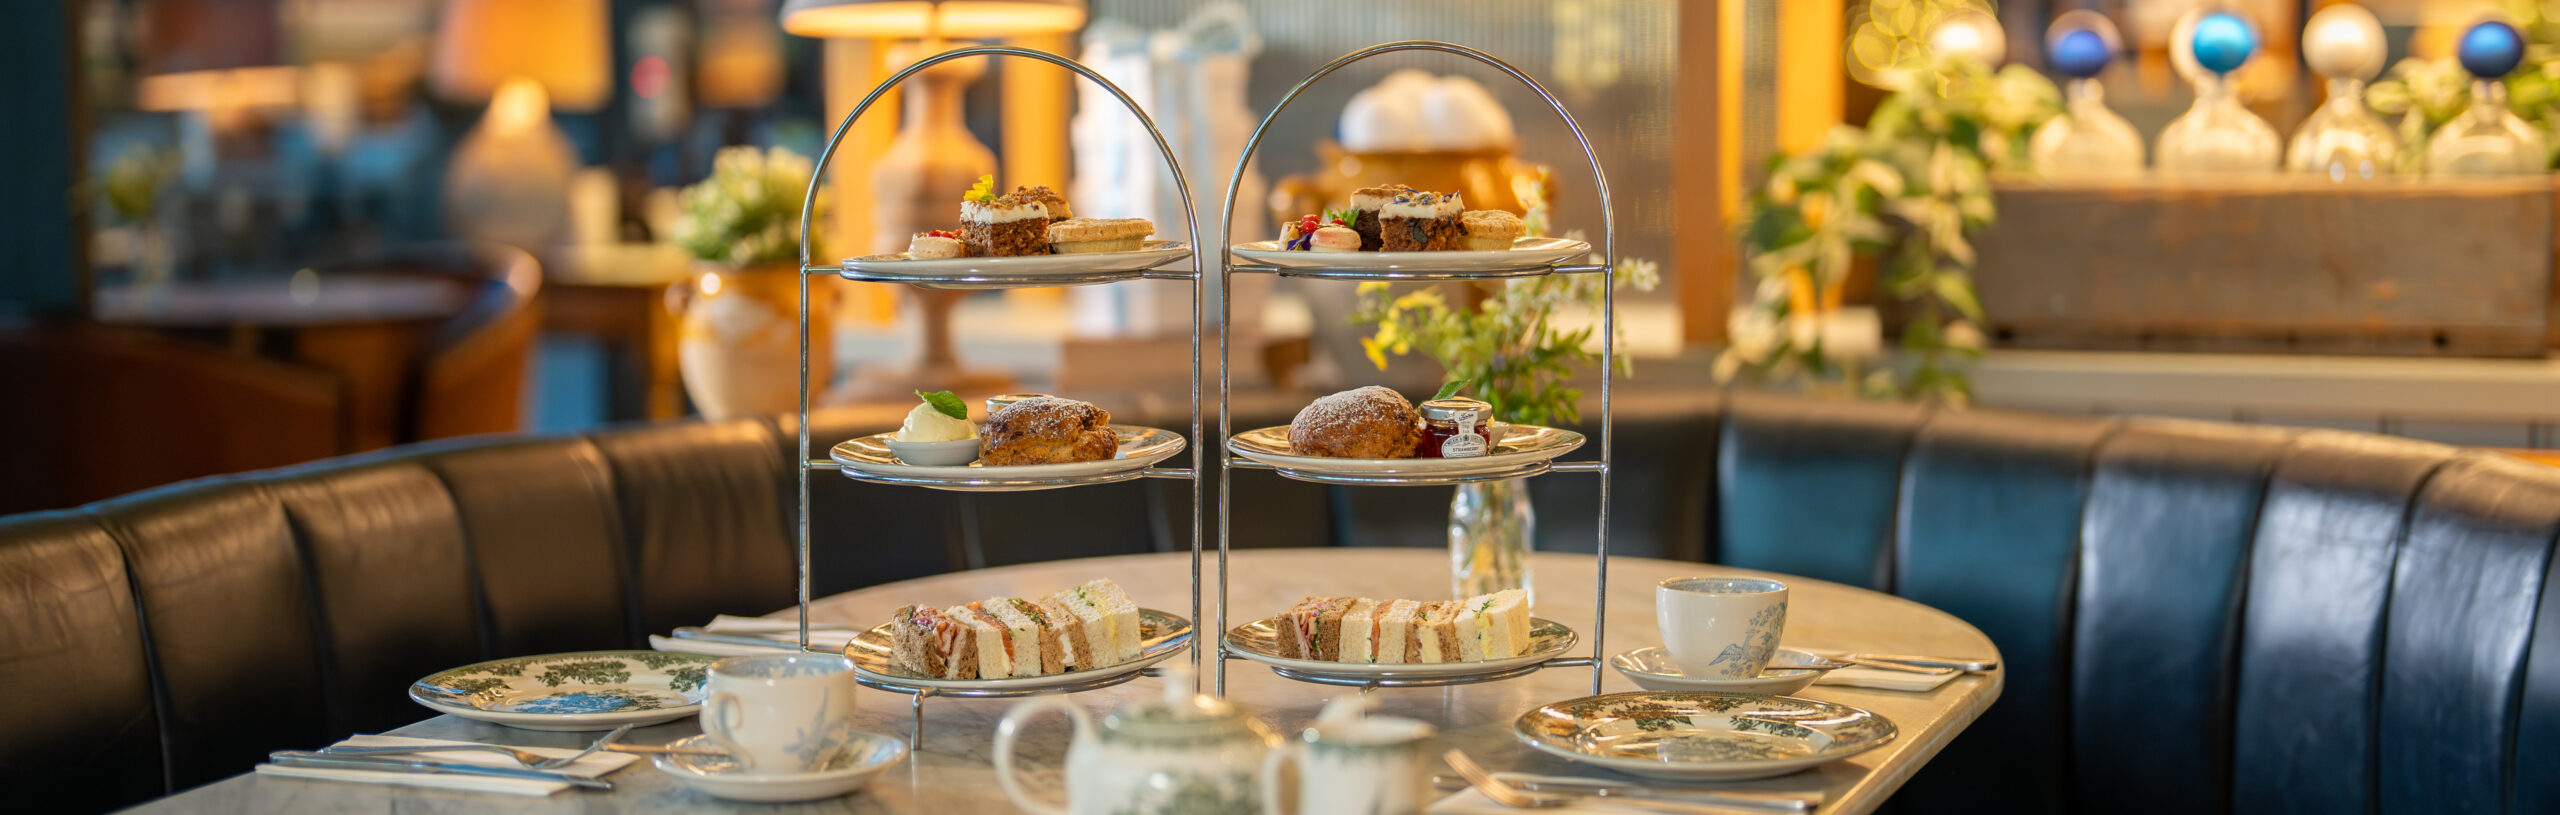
(1651, 669)
(1682, 736)
(863, 757)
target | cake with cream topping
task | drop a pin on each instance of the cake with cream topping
(994, 225)
(1421, 221)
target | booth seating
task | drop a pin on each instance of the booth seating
(2193, 617)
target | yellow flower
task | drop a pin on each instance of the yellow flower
(1377, 356)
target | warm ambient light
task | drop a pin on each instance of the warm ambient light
(481, 44)
(1969, 34)
(915, 18)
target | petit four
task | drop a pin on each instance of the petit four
(1366, 205)
(1490, 230)
(936, 244)
(1356, 629)
(1334, 239)
(993, 225)
(1048, 430)
(1370, 422)
(1418, 221)
(1084, 235)
(1094, 625)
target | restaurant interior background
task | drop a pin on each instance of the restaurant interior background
(330, 226)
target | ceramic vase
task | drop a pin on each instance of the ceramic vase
(1491, 527)
(738, 340)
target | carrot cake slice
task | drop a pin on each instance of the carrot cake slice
(994, 225)
(1366, 203)
(1420, 221)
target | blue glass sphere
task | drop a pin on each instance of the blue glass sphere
(2079, 54)
(2223, 41)
(2491, 49)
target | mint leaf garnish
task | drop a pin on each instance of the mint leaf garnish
(946, 404)
(1452, 388)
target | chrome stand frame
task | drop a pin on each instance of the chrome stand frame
(1228, 462)
(807, 459)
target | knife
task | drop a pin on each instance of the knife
(1966, 665)
(1596, 788)
(297, 758)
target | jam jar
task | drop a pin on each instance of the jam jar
(996, 403)
(1456, 428)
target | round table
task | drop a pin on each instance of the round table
(952, 772)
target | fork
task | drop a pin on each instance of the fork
(1517, 798)
(531, 760)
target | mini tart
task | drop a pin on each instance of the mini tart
(932, 246)
(1490, 230)
(1004, 226)
(1088, 235)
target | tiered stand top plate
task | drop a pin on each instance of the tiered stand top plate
(1527, 257)
(1023, 271)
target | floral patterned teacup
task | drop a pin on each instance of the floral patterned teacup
(1720, 627)
(780, 713)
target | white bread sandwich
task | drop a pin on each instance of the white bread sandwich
(1091, 626)
(1110, 621)
(1360, 631)
(1501, 624)
(1021, 635)
(1396, 619)
(1435, 633)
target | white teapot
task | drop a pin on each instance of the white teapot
(1352, 762)
(1184, 755)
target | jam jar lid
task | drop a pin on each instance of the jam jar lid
(1456, 409)
(996, 403)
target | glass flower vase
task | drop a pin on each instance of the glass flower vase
(1491, 526)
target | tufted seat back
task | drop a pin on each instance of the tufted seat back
(2195, 617)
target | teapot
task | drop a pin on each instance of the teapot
(1180, 755)
(1351, 762)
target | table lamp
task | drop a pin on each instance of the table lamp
(221, 59)
(916, 184)
(509, 180)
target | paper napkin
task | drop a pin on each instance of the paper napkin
(1881, 679)
(783, 633)
(593, 765)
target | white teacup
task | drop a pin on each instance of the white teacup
(1720, 627)
(780, 713)
(1367, 765)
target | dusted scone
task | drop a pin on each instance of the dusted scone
(1370, 422)
(1047, 430)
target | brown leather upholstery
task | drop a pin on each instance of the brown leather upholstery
(228, 617)
(73, 645)
(531, 512)
(703, 509)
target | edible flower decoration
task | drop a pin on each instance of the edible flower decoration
(984, 192)
(1301, 235)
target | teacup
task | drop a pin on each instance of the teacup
(1720, 627)
(1372, 765)
(780, 713)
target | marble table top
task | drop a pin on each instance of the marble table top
(952, 771)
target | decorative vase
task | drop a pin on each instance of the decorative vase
(737, 344)
(1491, 527)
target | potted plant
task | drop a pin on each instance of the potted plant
(737, 342)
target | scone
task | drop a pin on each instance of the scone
(1370, 422)
(1490, 230)
(1047, 430)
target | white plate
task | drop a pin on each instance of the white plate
(1526, 256)
(1651, 669)
(1160, 635)
(1140, 448)
(1025, 270)
(591, 690)
(1693, 736)
(1519, 445)
(1260, 641)
(866, 756)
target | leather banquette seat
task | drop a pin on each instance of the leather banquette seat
(2194, 617)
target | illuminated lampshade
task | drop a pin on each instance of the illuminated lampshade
(216, 55)
(1969, 34)
(938, 18)
(561, 44)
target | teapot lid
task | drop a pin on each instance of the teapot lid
(1179, 713)
(1345, 720)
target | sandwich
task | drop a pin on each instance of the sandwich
(1501, 623)
(1435, 633)
(1090, 626)
(1074, 648)
(1022, 647)
(1312, 629)
(1395, 631)
(1110, 622)
(1360, 631)
(931, 644)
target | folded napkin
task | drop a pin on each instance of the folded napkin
(592, 765)
(783, 633)
(1879, 678)
(1470, 802)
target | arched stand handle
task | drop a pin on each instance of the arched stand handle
(808, 206)
(1608, 328)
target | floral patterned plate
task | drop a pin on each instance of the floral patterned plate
(1697, 736)
(590, 690)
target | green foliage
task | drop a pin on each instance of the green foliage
(1909, 189)
(132, 184)
(748, 212)
(1509, 346)
(2428, 93)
